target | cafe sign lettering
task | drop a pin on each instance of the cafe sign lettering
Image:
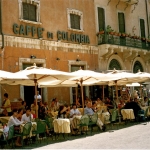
(27, 30)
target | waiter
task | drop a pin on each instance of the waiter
(38, 97)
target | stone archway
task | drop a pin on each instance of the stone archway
(137, 66)
(114, 64)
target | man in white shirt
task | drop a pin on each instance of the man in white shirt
(38, 97)
(74, 111)
(27, 117)
(14, 121)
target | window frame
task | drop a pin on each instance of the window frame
(76, 12)
(124, 21)
(34, 2)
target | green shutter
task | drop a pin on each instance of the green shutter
(101, 18)
(32, 12)
(142, 27)
(72, 21)
(25, 11)
(29, 12)
(121, 20)
(75, 21)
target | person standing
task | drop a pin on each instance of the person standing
(39, 98)
(7, 105)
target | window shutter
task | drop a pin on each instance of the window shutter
(75, 21)
(72, 21)
(101, 18)
(142, 27)
(32, 12)
(121, 20)
(25, 11)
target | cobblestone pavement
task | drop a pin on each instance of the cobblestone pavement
(133, 137)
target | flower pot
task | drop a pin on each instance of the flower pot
(143, 39)
(101, 32)
(112, 33)
(123, 34)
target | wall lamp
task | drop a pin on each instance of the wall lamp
(78, 59)
(32, 57)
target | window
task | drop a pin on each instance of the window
(121, 20)
(75, 20)
(101, 18)
(142, 27)
(29, 11)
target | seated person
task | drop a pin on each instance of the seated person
(78, 103)
(57, 104)
(133, 105)
(20, 113)
(62, 111)
(27, 117)
(24, 106)
(74, 111)
(33, 106)
(73, 121)
(88, 111)
(42, 112)
(52, 106)
(94, 108)
(99, 102)
(145, 102)
(14, 121)
(109, 103)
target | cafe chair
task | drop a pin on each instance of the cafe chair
(84, 122)
(49, 122)
(93, 121)
(40, 131)
(25, 134)
(8, 139)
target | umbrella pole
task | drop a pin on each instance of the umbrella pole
(35, 81)
(76, 94)
(82, 95)
(103, 93)
(140, 91)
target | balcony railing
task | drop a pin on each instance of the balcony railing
(123, 41)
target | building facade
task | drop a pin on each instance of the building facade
(65, 35)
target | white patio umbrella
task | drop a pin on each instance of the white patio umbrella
(32, 76)
(87, 77)
(134, 84)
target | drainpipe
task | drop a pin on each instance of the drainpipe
(147, 17)
(1, 32)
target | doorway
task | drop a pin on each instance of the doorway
(75, 68)
(29, 91)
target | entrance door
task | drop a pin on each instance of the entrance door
(29, 91)
(75, 68)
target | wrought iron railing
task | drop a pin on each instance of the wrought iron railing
(122, 41)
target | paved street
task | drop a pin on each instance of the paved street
(134, 137)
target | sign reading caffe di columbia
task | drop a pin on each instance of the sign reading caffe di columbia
(27, 30)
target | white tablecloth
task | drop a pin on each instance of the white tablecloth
(61, 125)
(127, 114)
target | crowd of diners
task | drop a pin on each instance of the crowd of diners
(27, 113)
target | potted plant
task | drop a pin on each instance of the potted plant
(123, 34)
(101, 32)
(134, 36)
(129, 35)
(143, 38)
(109, 30)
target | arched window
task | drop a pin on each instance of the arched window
(114, 64)
(137, 66)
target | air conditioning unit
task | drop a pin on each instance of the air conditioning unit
(131, 2)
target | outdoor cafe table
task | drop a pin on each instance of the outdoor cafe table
(61, 125)
(4, 119)
(127, 114)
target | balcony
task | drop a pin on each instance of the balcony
(130, 2)
(123, 41)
